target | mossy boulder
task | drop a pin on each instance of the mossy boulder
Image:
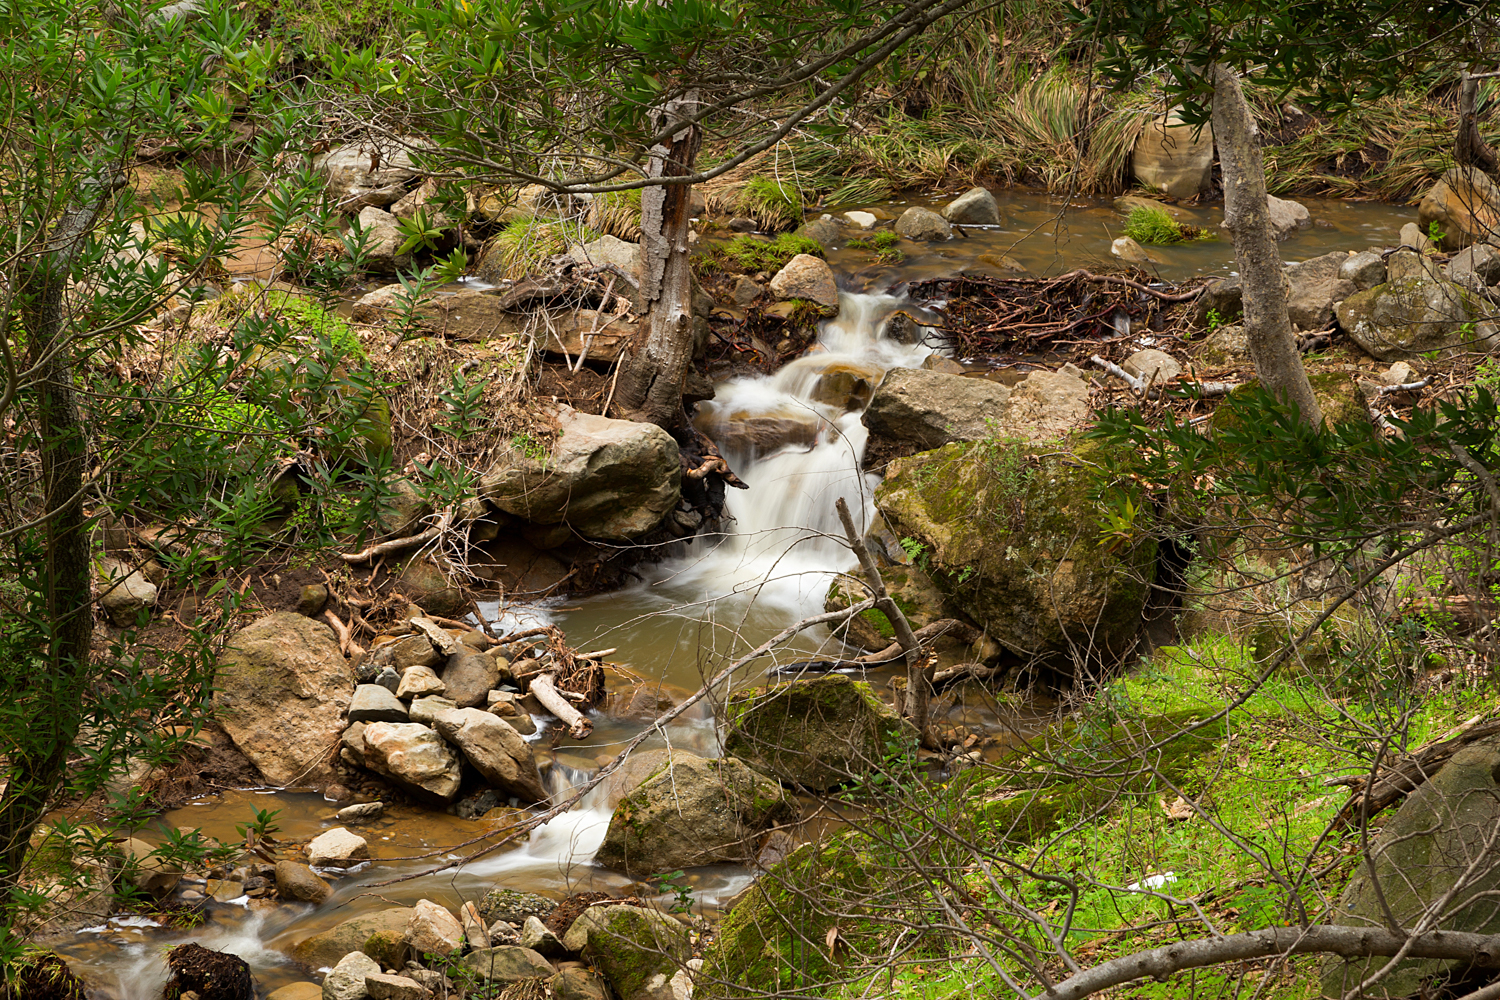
(630, 945)
(772, 940)
(1338, 394)
(1408, 317)
(1425, 848)
(1033, 543)
(690, 811)
(914, 593)
(815, 734)
(327, 947)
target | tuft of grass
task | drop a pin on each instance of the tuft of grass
(617, 214)
(885, 245)
(525, 244)
(1146, 224)
(747, 253)
(775, 205)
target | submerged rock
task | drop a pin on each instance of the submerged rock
(300, 883)
(691, 811)
(280, 689)
(814, 734)
(607, 479)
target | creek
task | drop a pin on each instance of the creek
(689, 614)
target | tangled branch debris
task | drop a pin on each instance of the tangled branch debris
(987, 314)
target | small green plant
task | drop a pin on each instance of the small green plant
(1119, 528)
(749, 253)
(260, 827)
(1214, 320)
(672, 883)
(1435, 232)
(1150, 225)
(915, 550)
(462, 402)
(530, 447)
(773, 204)
(885, 245)
(420, 231)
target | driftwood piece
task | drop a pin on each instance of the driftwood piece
(545, 689)
(391, 547)
(964, 671)
(1397, 780)
(928, 633)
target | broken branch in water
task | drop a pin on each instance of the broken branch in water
(544, 686)
(515, 833)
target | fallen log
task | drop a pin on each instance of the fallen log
(544, 686)
(967, 634)
(1397, 780)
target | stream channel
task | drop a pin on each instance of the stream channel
(688, 616)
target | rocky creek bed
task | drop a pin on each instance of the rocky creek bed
(435, 732)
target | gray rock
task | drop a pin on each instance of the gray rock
(927, 409)
(1152, 365)
(375, 703)
(1418, 856)
(469, 678)
(361, 812)
(607, 479)
(746, 290)
(371, 173)
(409, 651)
(432, 930)
(419, 682)
(385, 987)
(312, 600)
(1174, 158)
(1224, 297)
(1415, 239)
(495, 749)
(1287, 217)
(578, 984)
(1365, 269)
(903, 328)
(514, 906)
(1406, 318)
(1475, 267)
(1132, 252)
(124, 592)
(975, 207)
(347, 980)
(413, 756)
(539, 938)
(388, 679)
(1409, 265)
(1225, 346)
(280, 689)
(1314, 287)
(148, 872)
(383, 239)
(337, 848)
(424, 710)
(352, 744)
(507, 964)
(690, 812)
(326, 948)
(825, 230)
(923, 225)
(860, 220)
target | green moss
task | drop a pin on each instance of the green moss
(309, 319)
(773, 204)
(752, 253)
(631, 945)
(885, 245)
(386, 947)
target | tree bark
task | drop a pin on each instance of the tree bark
(1471, 149)
(651, 381)
(37, 767)
(1268, 330)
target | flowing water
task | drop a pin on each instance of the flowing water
(718, 598)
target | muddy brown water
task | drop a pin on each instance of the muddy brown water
(686, 619)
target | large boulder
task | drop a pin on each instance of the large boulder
(927, 409)
(1475, 267)
(923, 225)
(607, 479)
(327, 947)
(1465, 204)
(806, 277)
(1013, 535)
(1407, 317)
(432, 930)
(1314, 287)
(975, 207)
(1044, 406)
(1425, 849)
(630, 945)
(690, 811)
(913, 591)
(279, 692)
(496, 750)
(370, 173)
(414, 757)
(815, 734)
(1174, 158)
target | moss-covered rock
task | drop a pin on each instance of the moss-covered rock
(815, 734)
(691, 811)
(1338, 394)
(772, 941)
(1410, 316)
(630, 945)
(914, 593)
(1030, 542)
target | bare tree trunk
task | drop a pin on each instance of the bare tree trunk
(1471, 149)
(651, 381)
(36, 771)
(1268, 330)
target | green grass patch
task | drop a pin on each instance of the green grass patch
(750, 254)
(885, 245)
(525, 244)
(1149, 225)
(775, 204)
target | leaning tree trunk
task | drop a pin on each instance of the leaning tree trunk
(1268, 330)
(36, 768)
(651, 381)
(1471, 149)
